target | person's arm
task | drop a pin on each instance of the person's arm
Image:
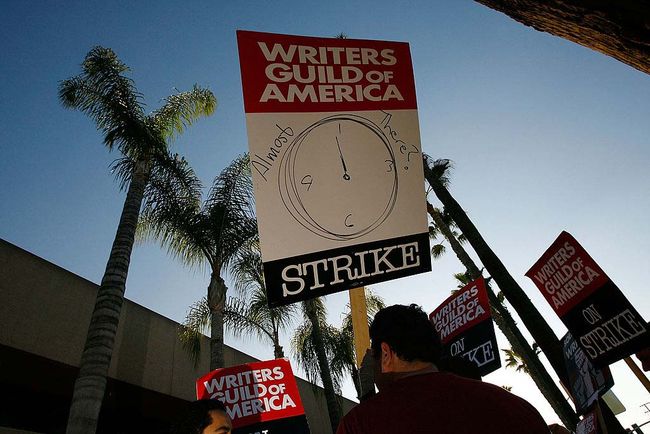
(367, 376)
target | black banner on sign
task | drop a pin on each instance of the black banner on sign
(291, 425)
(478, 345)
(303, 277)
(607, 326)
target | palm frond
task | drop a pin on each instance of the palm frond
(230, 210)
(182, 109)
(342, 360)
(123, 168)
(252, 311)
(463, 279)
(242, 320)
(171, 212)
(437, 251)
(514, 360)
(246, 269)
(374, 304)
(434, 232)
(280, 318)
(104, 93)
(303, 350)
(193, 328)
(437, 170)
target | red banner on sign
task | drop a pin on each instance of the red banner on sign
(463, 310)
(254, 392)
(283, 73)
(566, 274)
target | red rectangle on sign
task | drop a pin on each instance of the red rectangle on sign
(254, 392)
(566, 274)
(464, 309)
(283, 73)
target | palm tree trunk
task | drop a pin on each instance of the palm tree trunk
(278, 352)
(333, 408)
(216, 301)
(90, 385)
(508, 326)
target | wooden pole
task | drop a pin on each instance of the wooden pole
(638, 372)
(359, 322)
(601, 420)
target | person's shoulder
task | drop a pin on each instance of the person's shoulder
(352, 420)
(496, 400)
(518, 409)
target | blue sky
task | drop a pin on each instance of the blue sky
(545, 136)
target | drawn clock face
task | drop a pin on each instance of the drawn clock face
(338, 178)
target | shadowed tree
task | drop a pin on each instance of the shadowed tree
(209, 234)
(110, 99)
(438, 173)
(533, 320)
(248, 314)
(316, 341)
(516, 361)
(530, 316)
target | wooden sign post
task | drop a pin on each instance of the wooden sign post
(638, 372)
(359, 313)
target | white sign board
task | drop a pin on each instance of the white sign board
(336, 159)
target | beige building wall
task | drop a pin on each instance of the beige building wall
(45, 310)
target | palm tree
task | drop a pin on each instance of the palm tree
(439, 173)
(533, 320)
(110, 98)
(438, 249)
(535, 323)
(209, 234)
(249, 314)
(316, 342)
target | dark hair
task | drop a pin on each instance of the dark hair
(408, 331)
(197, 416)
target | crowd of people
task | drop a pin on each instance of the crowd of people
(418, 391)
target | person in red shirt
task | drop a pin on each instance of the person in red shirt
(415, 398)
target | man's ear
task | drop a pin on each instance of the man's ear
(387, 357)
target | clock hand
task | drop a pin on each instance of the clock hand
(345, 169)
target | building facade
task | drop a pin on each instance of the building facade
(44, 316)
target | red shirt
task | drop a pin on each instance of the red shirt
(442, 403)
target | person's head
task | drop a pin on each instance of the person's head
(403, 337)
(205, 416)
